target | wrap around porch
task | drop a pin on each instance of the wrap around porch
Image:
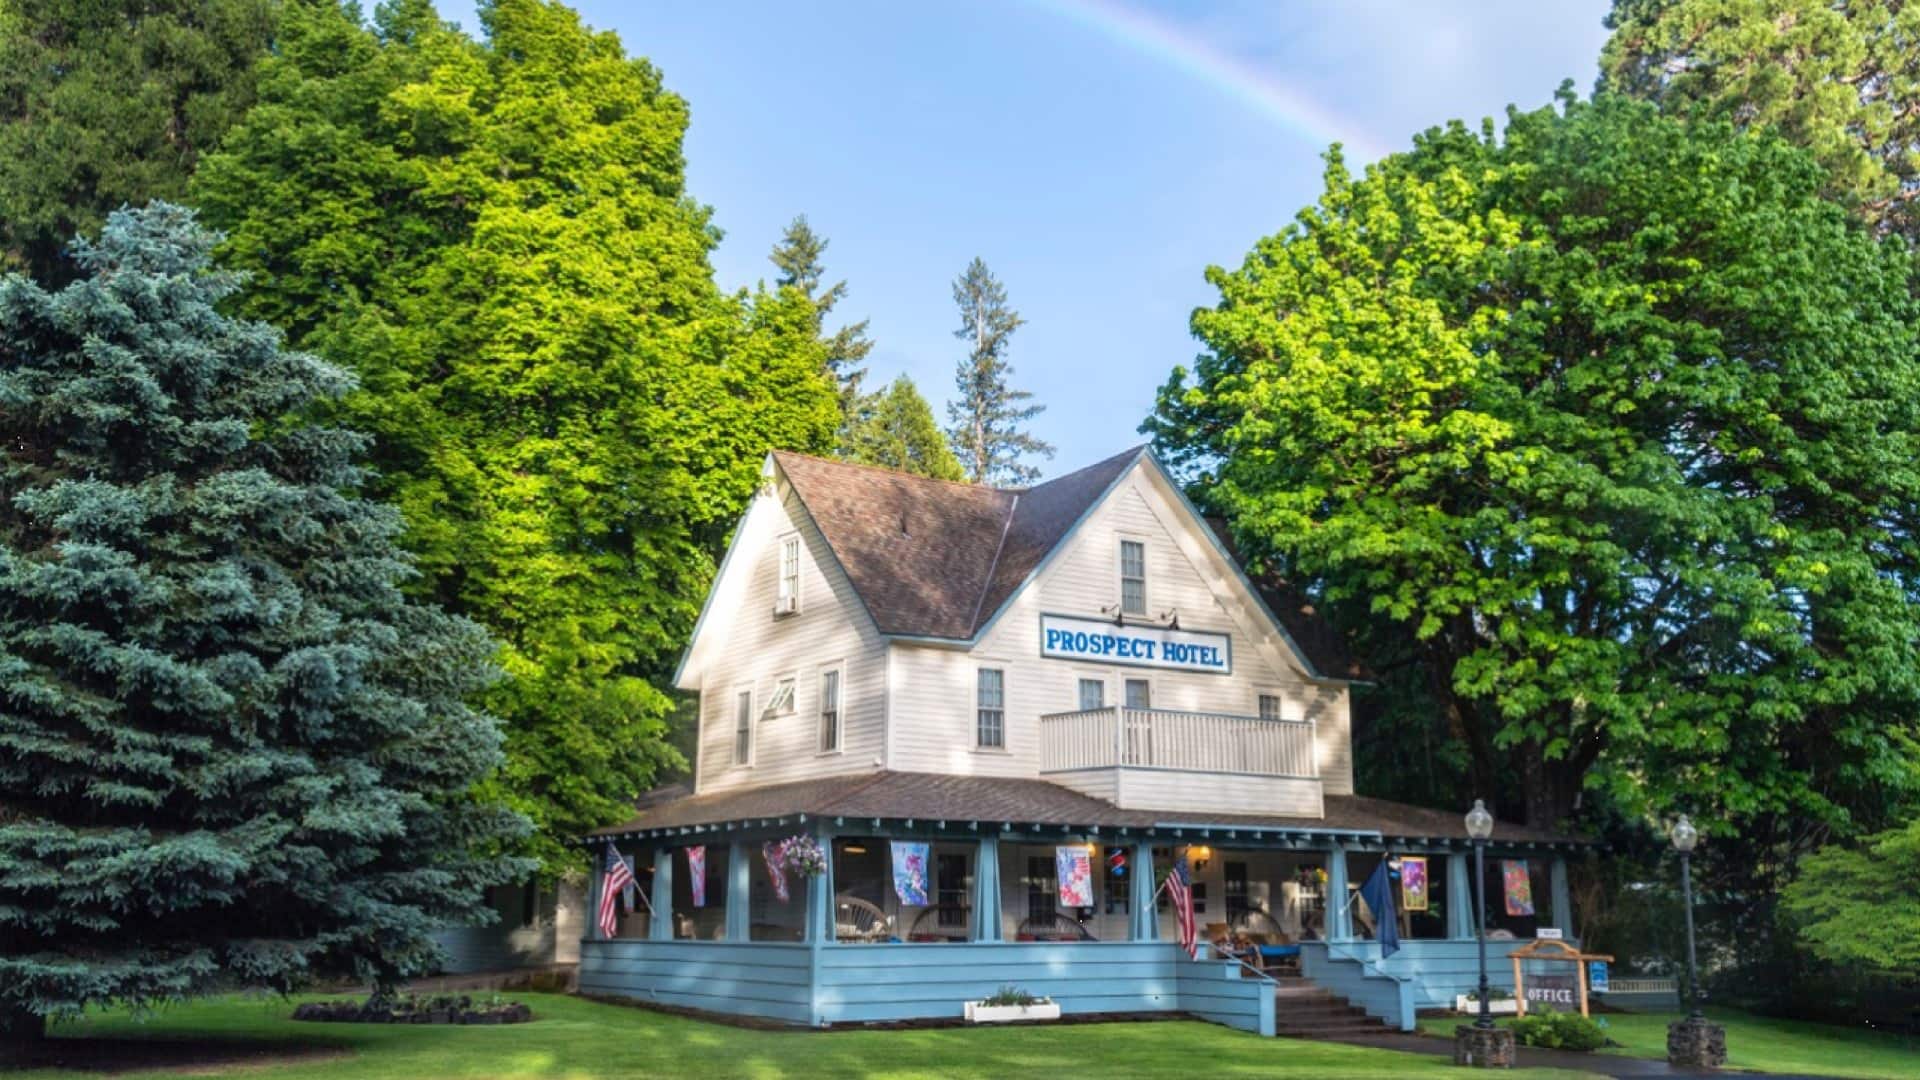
(852, 944)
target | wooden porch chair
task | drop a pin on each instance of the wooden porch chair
(855, 919)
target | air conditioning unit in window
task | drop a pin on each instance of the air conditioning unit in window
(786, 605)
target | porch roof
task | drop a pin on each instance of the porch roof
(940, 797)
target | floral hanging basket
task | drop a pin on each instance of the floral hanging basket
(801, 856)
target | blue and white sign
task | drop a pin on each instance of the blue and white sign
(1597, 976)
(1064, 637)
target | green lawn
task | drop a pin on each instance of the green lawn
(1766, 1044)
(572, 1039)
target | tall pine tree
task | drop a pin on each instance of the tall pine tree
(232, 751)
(988, 416)
(497, 237)
(107, 103)
(895, 429)
(798, 258)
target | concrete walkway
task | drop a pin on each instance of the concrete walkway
(1536, 1058)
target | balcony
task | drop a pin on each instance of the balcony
(1166, 760)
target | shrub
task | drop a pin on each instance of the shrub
(1558, 1031)
(1013, 995)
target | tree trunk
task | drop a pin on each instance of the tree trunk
(1547, 790)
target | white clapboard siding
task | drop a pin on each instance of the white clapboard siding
(754, 647)
(933, 686)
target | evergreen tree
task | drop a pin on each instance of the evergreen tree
(895, 429)
(1840, 79)
(107, 103)
(986, 421)
(569, 412)
(798, 258)
(231, 750)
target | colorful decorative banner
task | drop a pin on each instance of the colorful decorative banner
(1073, 865)
(1517, 886)
(774, 852)
(910, 872)
(697, 874)
(1413, 882)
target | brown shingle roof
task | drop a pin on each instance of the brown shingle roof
(918, 552)
(933, 558)
(943, 797)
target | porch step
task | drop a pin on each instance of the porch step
(1305, 1010)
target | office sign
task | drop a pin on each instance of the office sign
(1064, 637)
(1560, 992)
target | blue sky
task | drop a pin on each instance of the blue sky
(1099, 155)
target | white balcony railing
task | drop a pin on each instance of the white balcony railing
(1165, 739)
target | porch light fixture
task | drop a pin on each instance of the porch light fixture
(1479, 827)
(854, 849)
(1684, 837)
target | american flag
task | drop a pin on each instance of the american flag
(1179, 888)
(617, 880)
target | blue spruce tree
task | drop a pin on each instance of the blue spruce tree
(232, 751)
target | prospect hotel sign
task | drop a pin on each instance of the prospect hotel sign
(1064, 637)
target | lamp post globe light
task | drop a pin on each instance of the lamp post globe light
(1479, 827)
(1685, 836)
(1694, 1042)
(1482, 1045)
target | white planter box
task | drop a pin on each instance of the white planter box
(1465, 1003)
(1001, 1014)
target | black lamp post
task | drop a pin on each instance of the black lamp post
(1685, 836)
(1479, 827)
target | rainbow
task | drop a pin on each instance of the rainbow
(1181, 49)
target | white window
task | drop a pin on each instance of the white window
(1269, 706)
(829, 710)
(787, 601)
(781, 703)
(1093, 694)
(1133, 577)
(743, 728)
(990, 709)
(1139, 694)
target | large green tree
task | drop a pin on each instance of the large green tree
(1606, 428)
(895, 429)
(987, 417)
(496, 235)
(1839, 77)
(106, 102)
(1853, 903)
(232, 750)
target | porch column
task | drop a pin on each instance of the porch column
(1459, 897)
(820, 913)
(1339, 919)
(739, 881)
(596, 882)
(1562, 895)
(662, 925)
(1144, 923)
(986, 891)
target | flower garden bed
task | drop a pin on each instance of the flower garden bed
(416, 1009)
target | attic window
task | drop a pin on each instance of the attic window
(1133, 577)
(787, 599)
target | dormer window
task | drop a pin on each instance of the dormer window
(1133, 577)
(787, 597)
